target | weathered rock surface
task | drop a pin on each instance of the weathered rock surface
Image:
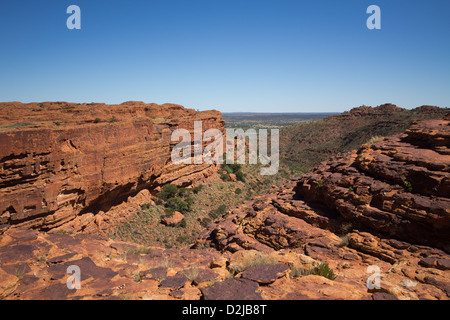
(354, 215)
(398, 187)
(232, 289)
(266, 273)
(175, 218)
(386, 205)
(61, 160)
(33, 265)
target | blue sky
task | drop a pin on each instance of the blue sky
(229, 55)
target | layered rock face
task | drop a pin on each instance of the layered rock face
(350, 229)
(59, 160)
(386, 206)
(398, 187)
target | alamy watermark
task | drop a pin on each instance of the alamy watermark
(74, 20)
(374, 280)
(73, 282)
(374, 21)
(208, 147)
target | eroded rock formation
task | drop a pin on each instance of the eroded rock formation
(351, 216)
(386, 205)
(59, 160)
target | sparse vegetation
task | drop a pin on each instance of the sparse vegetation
(113, 119)
(320, 269)
(176, 199)
(306, 144)
(408, 186)
(235, 169)
(191, 273)
(141, 250)
(206, 202)
(205, 222)
(137, 276)
(374, 139)
(251, 260)
(17, 125)
(214, 214)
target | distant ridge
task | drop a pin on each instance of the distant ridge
(308, 144)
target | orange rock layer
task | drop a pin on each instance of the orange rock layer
(59, 160)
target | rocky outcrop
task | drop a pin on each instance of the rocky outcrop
(61, 160)
(34, 265)
(386, 205)
(351, 229)
(398, 187)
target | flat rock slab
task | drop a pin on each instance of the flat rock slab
(174, 282)
(205, 276)
(266, 273)
(155, 273)
(17, 269)
(87, 267)
(20, 252)
(232, 289)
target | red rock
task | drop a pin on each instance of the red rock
(173, 219)
(232, 289)
(52, 173)
(265, 274)
(175, 282)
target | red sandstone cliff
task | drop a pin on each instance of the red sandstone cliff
(59, 160)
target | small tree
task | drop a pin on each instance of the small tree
(168, 191)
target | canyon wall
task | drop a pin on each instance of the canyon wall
(59, 160)
(398, 188)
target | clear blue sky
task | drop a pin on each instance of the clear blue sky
(229, 55)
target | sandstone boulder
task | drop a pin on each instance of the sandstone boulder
(173, 219)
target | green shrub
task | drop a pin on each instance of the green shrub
(198, 188)
(205, 222)
(220, 211)
(233, 168)
(168, 191)
(375, 139)
(225, 176)
(182, 238)
(324, 270)
(240, 176)
(238, 191)
(321, 269)
(227, 168)
(178, 204)
(408, 186)
(146, 206)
